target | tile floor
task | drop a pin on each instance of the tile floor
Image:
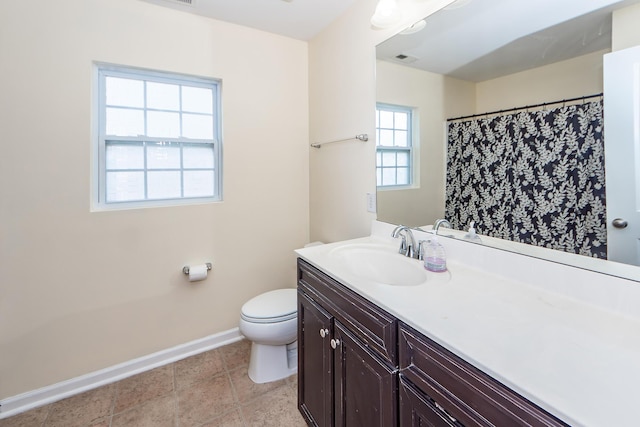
(207, 390)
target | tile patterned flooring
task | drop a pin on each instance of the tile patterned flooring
(210, 389)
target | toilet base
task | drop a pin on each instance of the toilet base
(272, 362)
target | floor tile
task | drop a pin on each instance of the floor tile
(293, 381)
(237, 354)
(205, 400)
(82, 409)
(32, 418)
(247, 390)
(143, 387)
(102, 422)
(275, 409)
(230, 419)
(160, 412)
(198, 367)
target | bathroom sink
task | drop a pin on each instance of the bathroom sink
(381, 264)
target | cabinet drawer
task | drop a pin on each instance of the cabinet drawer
(465, 392)
(374, 327)
(417, 409)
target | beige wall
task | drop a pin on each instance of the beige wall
(563, 80)
(435, 98)
(81, 291)
(342, 104)
(625, 27)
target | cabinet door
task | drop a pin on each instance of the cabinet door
(417, 410)
(365, 388)
(315, 388)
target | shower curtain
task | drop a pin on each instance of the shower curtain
(531, 177)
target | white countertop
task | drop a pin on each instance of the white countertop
(575, 359)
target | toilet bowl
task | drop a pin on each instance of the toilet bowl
(270, 322)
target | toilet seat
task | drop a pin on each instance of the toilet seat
(271, 307)
(268, 319)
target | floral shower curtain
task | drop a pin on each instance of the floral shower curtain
(531, 177)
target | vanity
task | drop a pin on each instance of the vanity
(348, 354)
(470, 347)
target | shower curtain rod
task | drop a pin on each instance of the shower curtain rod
(544, 104)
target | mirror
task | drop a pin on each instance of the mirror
(492, 56)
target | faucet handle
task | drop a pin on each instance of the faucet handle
(403, 245)
(421, 244)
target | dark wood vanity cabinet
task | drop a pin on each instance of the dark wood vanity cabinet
(432, 379)
(360, 366)
(347, 357)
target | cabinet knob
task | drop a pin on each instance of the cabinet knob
(335, 343)
(324, 332)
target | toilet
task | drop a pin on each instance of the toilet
(270, 322)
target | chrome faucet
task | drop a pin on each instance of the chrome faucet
(407, 248)
(441, 223)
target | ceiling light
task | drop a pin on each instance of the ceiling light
(386, 15)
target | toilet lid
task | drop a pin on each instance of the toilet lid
(273, 306)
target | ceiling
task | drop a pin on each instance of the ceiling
(485, 39)
(508, 35)
(298, 19)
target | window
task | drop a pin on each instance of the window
(158, 138)
(394, 149)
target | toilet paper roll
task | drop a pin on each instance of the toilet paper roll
(197, 272)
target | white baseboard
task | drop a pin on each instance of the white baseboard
(43, 396)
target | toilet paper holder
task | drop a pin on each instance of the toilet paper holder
(185, 269)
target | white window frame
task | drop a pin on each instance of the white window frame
(101, 71)
(411, 148)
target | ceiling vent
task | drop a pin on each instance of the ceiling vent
(405, 58)
(183, 2)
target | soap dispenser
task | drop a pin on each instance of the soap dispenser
(434, 256)
(471, 236)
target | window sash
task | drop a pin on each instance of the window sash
(393, 174)
(144, 169)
